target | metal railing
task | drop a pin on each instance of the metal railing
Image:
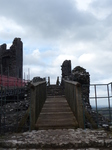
(20, 105)
(91, 104)
(13, 104)
(99, 104)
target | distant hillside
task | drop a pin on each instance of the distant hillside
(105, 112)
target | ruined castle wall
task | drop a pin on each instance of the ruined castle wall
(66, 68)
(78, 74)
(11, 59)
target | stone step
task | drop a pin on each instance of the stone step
(55, 90)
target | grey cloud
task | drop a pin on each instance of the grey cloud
(51, 20)
(108, 21)
(59, 23)
(46, 19)
(102, 4)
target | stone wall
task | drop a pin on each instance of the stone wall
(11, 60)
(80, 75)
(66, 68)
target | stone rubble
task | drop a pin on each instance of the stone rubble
(12, 114)
(37, 79)
(58, 139)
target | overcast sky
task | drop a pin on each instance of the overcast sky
(55, 30)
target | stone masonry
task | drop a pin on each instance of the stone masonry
(78, 74)
(11, 60)
(66, 68)
(74, 139)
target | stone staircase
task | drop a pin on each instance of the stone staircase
(55, 90)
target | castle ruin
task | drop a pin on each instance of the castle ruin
(78, 74)
(11, 60)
